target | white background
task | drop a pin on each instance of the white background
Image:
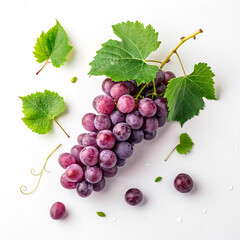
(214, 162)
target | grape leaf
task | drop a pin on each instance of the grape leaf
(158, 179)
(185, 94)
(101, 214)
(185, 144)
(125, 60)
(40, 108)
(53, 45)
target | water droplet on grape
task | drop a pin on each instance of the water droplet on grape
(179, 219)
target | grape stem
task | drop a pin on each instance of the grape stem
(140, 92)
(45, 64)
(170, 153)
(61, 127)
(153, 61)
(23, 188)
(179, 44)
(180, 63)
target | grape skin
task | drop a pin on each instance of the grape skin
(147, 107)
(123, 150)
(122, 131)
(107, 159)
(74, 173)
(93, 174)
(67, 184)
(133, 196)
(105, 104)
(150, 124)
(117, 117)
(88, 122)
(107, 85)
(102, 122)
(183, 183)
(99, 186)
(84, 189)
(134, 119)
(105, 139)
(126, 104)
(119, 90)
(66, 159)
(89, 156)
(57, 211)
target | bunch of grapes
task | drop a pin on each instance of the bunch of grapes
(127, 114)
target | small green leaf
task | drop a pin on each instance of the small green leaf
(101, 214)
(74, 79)
(185, 144)
(125, 60)
(40, 108)
(158, 179)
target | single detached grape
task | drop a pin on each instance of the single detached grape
(95, 101)
(110, 172)
(126, 104)
(136, 136)
(133, 196)
(89, 156)
(74, 173)
(150, 136)
(105, 104)
(105, 139)
(134, 119)
(99, 186)
(183, 183)
(122, 131)
(57, 211)
(75, 150)
(84, 188)
(117, 117)
(168, 76)
(89, 139)
(118, 90)
(121, 162)
(93, 174)
(66, 159)
(107, 85)
(80, 137)
(88, 122)
(162, 110)
(123, 150)
(66, 184)
(107, 159)
(150, 124)
(147, 107)
(102, 122)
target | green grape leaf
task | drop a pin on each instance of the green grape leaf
(40, 109)
(185, 94)
(158, 179)
(185, 144)
(101, 214)
(53, 45)
(125, 60)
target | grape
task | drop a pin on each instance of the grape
(105, 139)
(150, 124)
(75, 150)
(109, 172)
(133, 82)
(136, 136)
(119, 90)
(93, 174)
(89, 139)
(88, 122)
(168, 76)
(123, 150)
(84, 188)
(57, 211)
(183, 183)
(133, 196)
(99, 186)
(74, 173)
(161, 121)
(89, 156)
(117, 117)
(121, 162)
(107, 159)
(95, 101)
(147, 107)
(159, 78)
(66, 184)
(122, 131)
(107, 85)
(150, 136)
(131, 86)
(162, 109)
(134, 119)
(66, 159)
(102, 122)
(105, 104)
(126, 104)
(80, 137)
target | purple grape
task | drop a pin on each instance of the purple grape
(117, 117)
(131, 86)
(80, 137)
(107, 159)
(123, 150)
(75, 150)
(74, 173)
(105, 104)
(88, 122)
(95, 101)
(183, 183)
(89, 156)
(126, 104)
(133, 82)
(57, 211)
(133, 196)
(99, 186)
(134, 119)
(159, 78)
(107, 85)
(161, 121)
(168, 76)
(66, 184)
(147, 107)
(105, 139)
(110, 172)
(136, 136)
(102, 122)
(150, 124)
(89, 139)
(122, 131)
(66, 159)
(93, 174)
(84, 189)
(118, 90)
(121, 162)
(162, 110)
(150, 136)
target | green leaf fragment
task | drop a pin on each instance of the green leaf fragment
(185, 144)
(158, 179)
(125, 60)
(74, 79)
(101, 214)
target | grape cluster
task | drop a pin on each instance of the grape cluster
(127, 114)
